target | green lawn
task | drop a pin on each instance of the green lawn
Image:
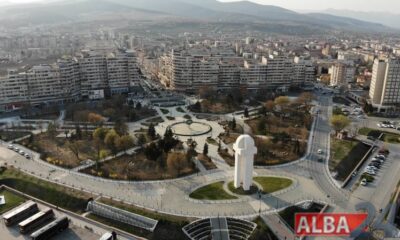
(241, 191)
(341, 148)
(52, 193)
(273, 184)
(164, 111)
(180, 109)
(345, 155)
(212, 141)
(12, 200)
(368, 132)
(391, 138)
(214, 191)
(387, 136)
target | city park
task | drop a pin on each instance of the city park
(186, 161)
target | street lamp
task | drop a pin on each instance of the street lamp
(259, 197)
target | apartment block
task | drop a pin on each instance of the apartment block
(385, 85)
(342, 73)
(89, 76)
(188, 71)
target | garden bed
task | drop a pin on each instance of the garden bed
(139, 168)
(206, 161)
(56, 150)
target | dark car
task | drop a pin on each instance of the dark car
(377, 162)
(377, 165)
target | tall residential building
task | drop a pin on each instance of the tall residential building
(70, 80)
(13, 89)
(342, 73)
(93, 69)
(188, 71)
(253, 75)
(229, 72)
(303, 71)
(279, 71)
(122, 72)
(385, 85)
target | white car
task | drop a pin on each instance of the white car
(371, 168)
(10, 147)
(363, 182)
(371, 172)
(380, 156)
(22, 153)
(379, 125)
(319, 151)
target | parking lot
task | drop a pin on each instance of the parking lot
(376, 191)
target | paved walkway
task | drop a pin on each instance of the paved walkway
(171, 196)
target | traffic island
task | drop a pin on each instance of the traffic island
(214, 191)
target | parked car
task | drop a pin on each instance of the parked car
(371, 172)
(10, 146)
(377, 162)
(380, 156)
(319, 151)
(377, 165)
(364, 182)
(373, 168)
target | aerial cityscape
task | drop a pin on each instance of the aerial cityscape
(199, 119)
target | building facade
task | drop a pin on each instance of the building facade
(187, 72)
(385, 85)
(342, 74)
(69, 80)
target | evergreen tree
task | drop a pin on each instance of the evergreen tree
(205, 149)
(151, 132)
(246, 113)
(78, 132)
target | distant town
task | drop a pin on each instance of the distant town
(172, 120)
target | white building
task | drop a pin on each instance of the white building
(189, 70)
(68, 80)
(385, 85)
(342, 73)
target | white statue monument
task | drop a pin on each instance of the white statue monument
(244, 157)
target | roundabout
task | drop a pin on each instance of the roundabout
(190, 128)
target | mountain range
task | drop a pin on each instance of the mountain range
(61, 11)
(385, 18)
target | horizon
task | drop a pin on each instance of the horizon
(308, 5)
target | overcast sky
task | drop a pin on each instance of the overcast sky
(358, 5)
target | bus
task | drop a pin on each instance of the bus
(20, 213)
(109, 236)
(51, 229)
(35, 221)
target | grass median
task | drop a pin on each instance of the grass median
(214, 191)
